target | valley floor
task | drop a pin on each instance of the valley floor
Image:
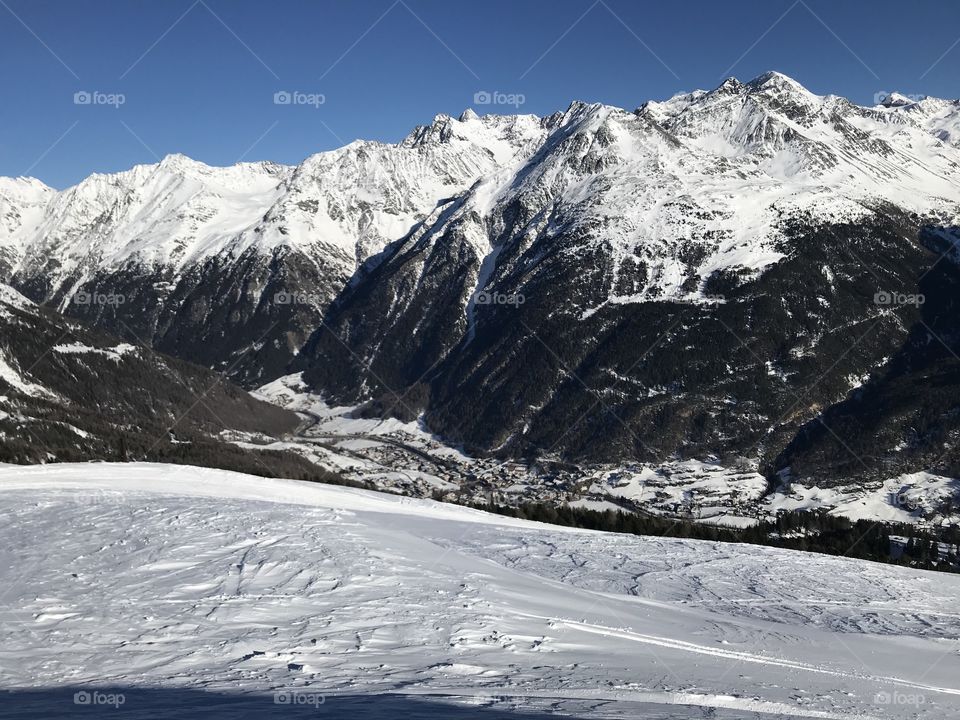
(403, 457)
(190, 592)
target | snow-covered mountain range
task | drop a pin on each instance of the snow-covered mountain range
(180, 212)
(680, 188)
(205, 252)
(688, 279)
(701, 267)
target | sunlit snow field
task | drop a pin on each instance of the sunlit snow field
(188, 592)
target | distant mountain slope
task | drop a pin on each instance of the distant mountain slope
(69, 393)
(700, 277)
(906, 416)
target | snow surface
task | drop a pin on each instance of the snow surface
(364, 449)
(910, 498)
(689, 488)
(9, 296)
(78, 348)
(184, 587)
(16, 378)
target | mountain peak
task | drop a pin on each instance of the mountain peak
(731, 84)
(772, 75)
(439, 131)
(179, 162)
(776, 80)
(22, 182)
(576, 106)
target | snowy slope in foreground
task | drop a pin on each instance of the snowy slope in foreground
(185, 587)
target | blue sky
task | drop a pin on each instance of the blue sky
(200, 76)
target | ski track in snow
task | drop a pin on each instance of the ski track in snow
(153, 578)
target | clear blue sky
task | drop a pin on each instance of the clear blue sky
(200, 77)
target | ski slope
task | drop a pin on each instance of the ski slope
(192, 592)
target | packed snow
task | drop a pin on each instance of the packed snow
(181, 588)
